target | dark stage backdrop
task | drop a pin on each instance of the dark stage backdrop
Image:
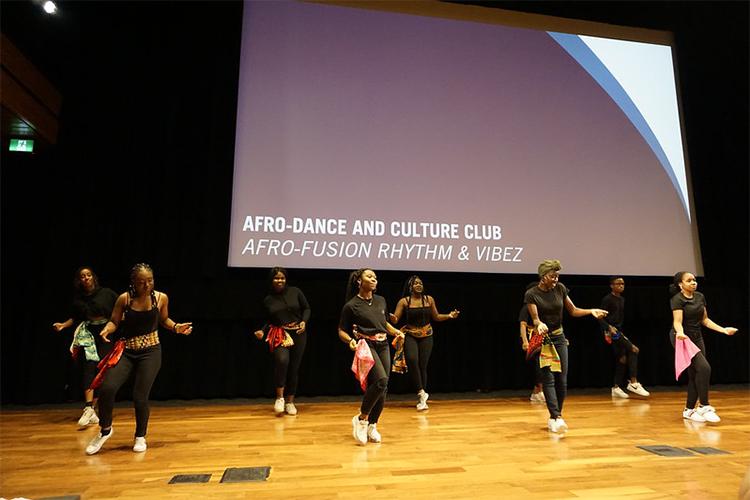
(143, 172)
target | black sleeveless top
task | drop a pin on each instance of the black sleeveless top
(417, 316)
(137, 323)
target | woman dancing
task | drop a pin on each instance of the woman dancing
(418, 309)
(364, 321)
(545, 303)
(138, 313)
(689, 313)
(288, 312)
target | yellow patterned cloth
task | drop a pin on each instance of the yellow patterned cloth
(142, 341)
(548, 356)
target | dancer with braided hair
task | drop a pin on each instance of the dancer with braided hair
(418, 309)
(364, 326)
(138, 313)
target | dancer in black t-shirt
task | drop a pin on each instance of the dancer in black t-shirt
(364, 317)
(287, 314)
(546, 302)
(689, 313)
(92, 306)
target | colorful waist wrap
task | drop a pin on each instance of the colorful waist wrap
(399, 360)
(279, 335)
(549, 356)
(83, 338)
(418, 331)
(362, 363)
(108, 362)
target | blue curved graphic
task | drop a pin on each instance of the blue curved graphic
(574, 46)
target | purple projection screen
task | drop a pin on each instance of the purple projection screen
(406, 142)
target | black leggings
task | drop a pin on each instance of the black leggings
(624, 358)
(286, 362)
(377, 381)
(555, 384)
(146, 364)
(699, 373)
(417, 352)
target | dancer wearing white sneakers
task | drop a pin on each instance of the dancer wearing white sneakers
(689, 314)
(626, 353)
(288, 313)
(546, 302)
(364, 319)
(418, 309)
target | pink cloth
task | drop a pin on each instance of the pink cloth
(684, 350)
(362, 363)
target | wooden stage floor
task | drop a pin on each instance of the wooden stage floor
(470, 447)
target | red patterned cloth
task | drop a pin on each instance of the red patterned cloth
(108, 362)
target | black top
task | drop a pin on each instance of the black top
(523, 315)
(289, 306)
(136, 323)
(369, 316)
(615, 306)
(693, 311)
(96, 305)
(549, 304)
(417, 316)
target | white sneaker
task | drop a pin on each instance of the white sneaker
(278, 406)
(537, 397)
(637, 388)
(359, 430)
(708, 412)
(88, 417)
(693, 415)
(372, 433)
(290, 409)
(140, 445)
(557, 425)
(423, 397)
(96, 444)
(619, 393)
(422, 406)
(561, 424)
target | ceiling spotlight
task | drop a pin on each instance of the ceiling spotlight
(49, 7)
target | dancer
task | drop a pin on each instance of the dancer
(688, 315)
(418, 309)
(364, 319)
(92, 307)
(526, 328)
(626, 353)
(288, 312)
(545, 303)
(138, 313)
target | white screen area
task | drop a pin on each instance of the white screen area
(407, 142)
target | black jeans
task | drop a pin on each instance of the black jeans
(699, 373)
(377, 381)
(555, 384)
(624, 358)
(286, 362)
(146, 364)
(417, 352)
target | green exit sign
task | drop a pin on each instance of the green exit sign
(22, 145)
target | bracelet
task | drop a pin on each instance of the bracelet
(174, 328)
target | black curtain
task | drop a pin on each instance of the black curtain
(143, 171)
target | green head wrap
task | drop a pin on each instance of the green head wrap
(548, 265)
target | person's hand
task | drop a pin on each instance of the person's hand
(680, 336)
(454, 313)
(525, 346)
(104, 334)
(258, 334)
(183, 328)
(599, 313)
(542, 328)
(399, 333)
(58, 327)
(301, 328)
(730, 330)
(353, 345)
(612, 330)
(635, 349)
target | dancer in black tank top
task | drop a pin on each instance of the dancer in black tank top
(138, 313)
(417, 310)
